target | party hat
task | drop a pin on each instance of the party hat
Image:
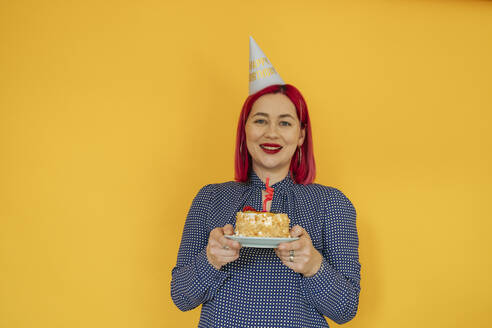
(261, 72)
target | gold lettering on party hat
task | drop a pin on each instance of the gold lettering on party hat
(266, 72)
(261, 72)
(258, 62)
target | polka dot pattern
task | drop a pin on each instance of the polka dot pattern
(257, 290)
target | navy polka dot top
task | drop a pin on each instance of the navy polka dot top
(257, 290)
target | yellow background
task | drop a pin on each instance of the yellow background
(114, 113)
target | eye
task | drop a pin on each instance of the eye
(285, 123)
(260, 121)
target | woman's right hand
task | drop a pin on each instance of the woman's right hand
(221, 250)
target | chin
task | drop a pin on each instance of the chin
(274, 166)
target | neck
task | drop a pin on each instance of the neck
(273, 176)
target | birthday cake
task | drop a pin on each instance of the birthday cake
(250, 223)
(262, 224)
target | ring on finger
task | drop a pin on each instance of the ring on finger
(291, 256)
(225, 247)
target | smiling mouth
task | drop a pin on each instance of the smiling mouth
(270, 148)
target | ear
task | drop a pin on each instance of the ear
(302, 135)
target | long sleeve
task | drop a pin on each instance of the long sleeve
(194, 279)
(334, 289)
(257, 289)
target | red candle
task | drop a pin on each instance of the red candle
(269, 195)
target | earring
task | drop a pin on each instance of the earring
(299, 155)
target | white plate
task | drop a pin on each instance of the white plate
(260, 242)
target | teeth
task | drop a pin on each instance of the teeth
(270, 148)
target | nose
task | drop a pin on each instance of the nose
(271, 132)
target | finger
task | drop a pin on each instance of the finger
(227, 243)
(292, 245)
(296, 231)
(234, 245)
(218, 248)
(228, 229)
(231, 245)
(285, 258)
(224, 248)
(222, 253)
(282, 256)
(214, 241)
(283, 247)
(216, 233)
(291, 265)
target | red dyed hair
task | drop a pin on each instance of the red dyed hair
(302, 172)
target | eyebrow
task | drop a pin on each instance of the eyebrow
(280, 116)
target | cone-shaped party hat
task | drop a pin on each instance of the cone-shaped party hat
(261, 72)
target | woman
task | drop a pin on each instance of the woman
(299, 282)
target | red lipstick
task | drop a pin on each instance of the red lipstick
(270, 148)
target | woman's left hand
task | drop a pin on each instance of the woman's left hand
(300, 255)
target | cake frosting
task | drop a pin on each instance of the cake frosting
(262, 224)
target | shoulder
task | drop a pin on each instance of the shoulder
(213, 190)
(316, 189)
(331, 198)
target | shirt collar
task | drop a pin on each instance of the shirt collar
(255, 181)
